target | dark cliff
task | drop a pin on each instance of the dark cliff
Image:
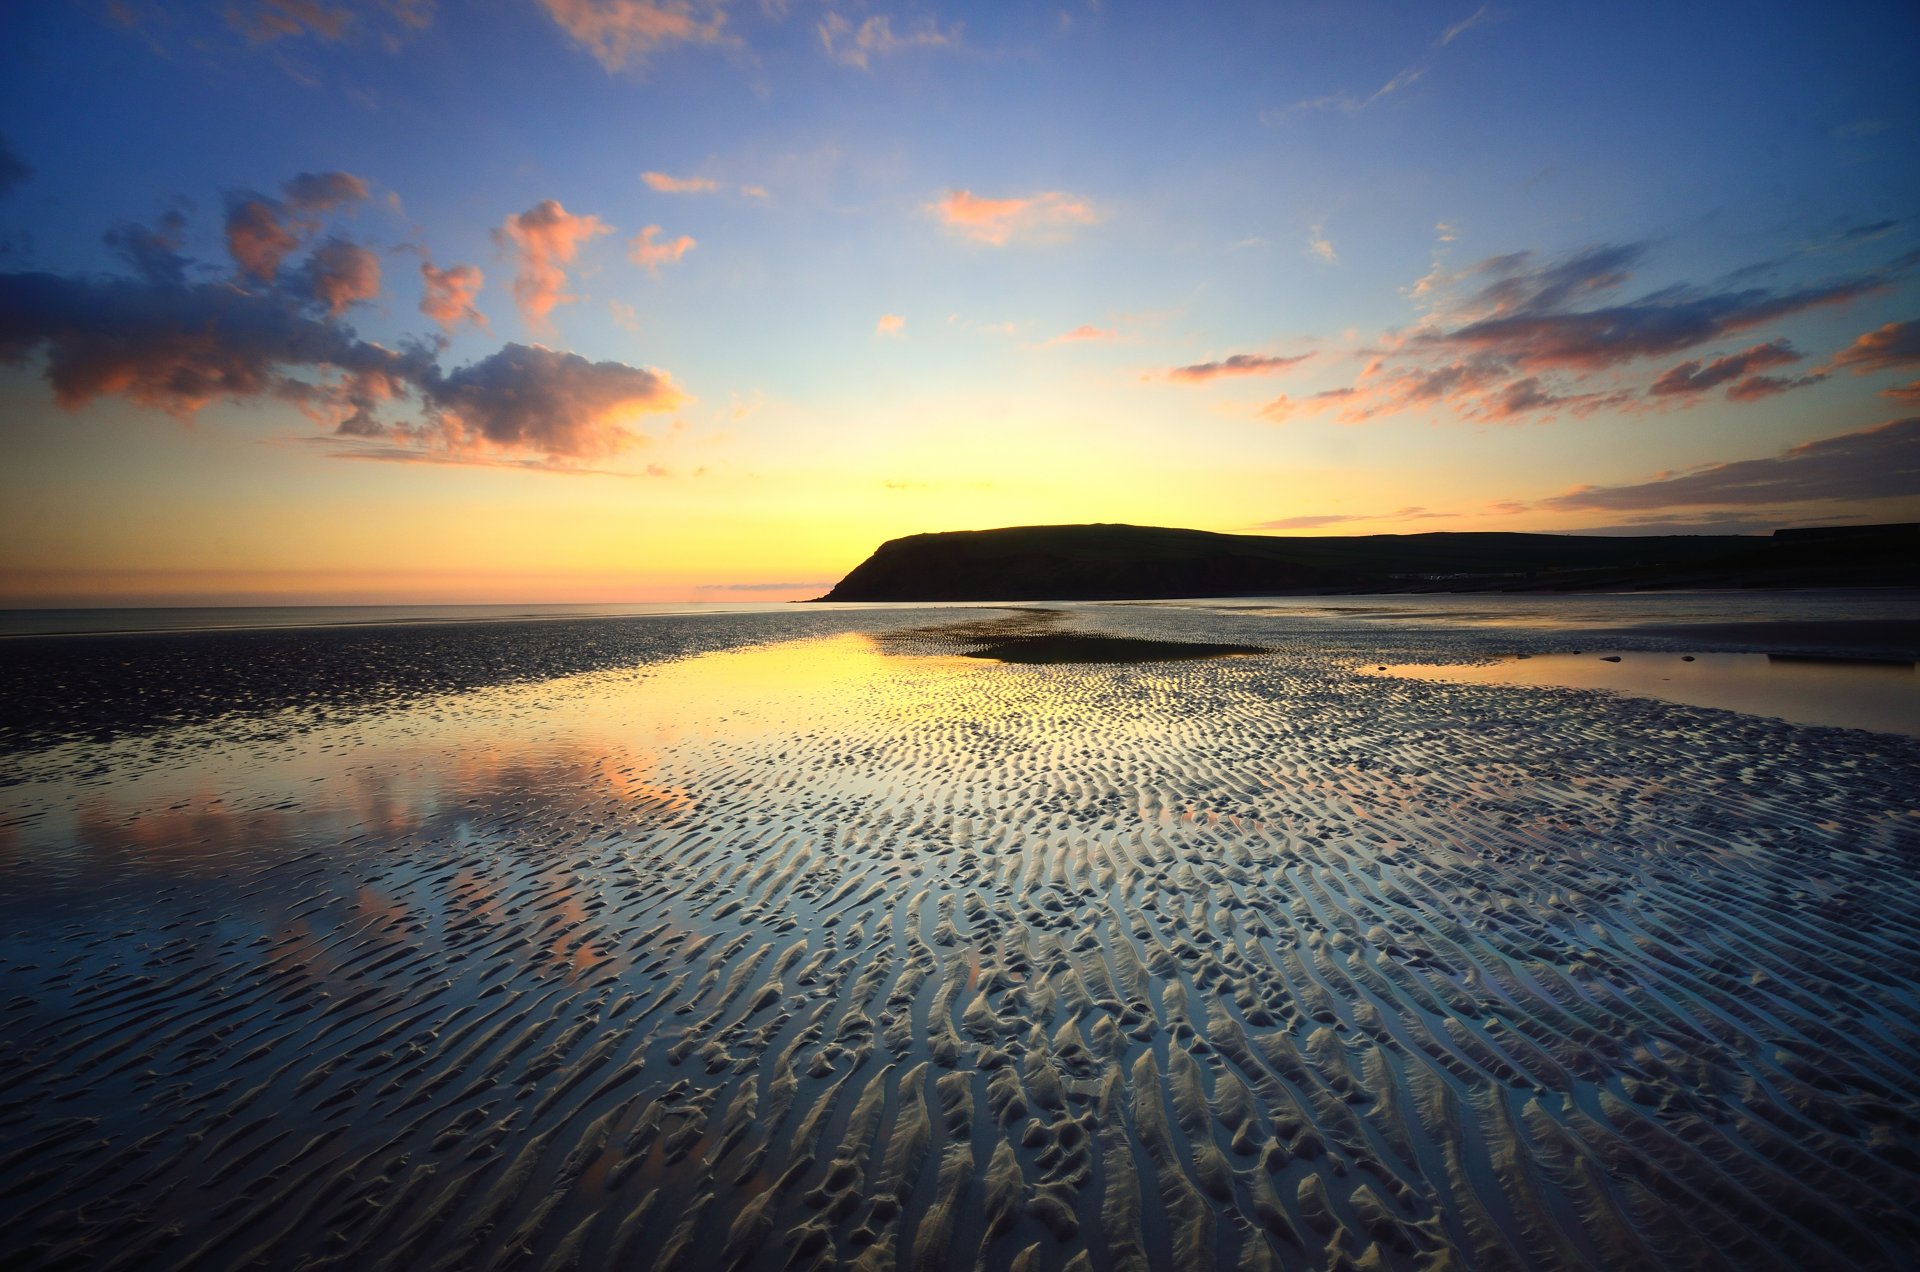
(1111, 562)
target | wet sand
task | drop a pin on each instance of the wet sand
(854, 949)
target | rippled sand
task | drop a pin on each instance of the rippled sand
(854, 949)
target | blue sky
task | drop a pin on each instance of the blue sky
(1427, 267)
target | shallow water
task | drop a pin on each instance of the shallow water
(788, 952)
(1843, 693)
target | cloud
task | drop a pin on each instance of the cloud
(645, 249)
(1317, 244)
(529, 399)
(889, 325)
(323, 191)
(1039, 217)
(178, 347)
(1536, 337)
(258, 238)
(1529, 335)
(1238, 364)
(262, 232)
(1873, 463)
(154, 254)
(1883, 349)
(1517, 285)
(1086, 331)
(449, 294)
(1755, 387)
(621, 31)
(856, 46)
(1693, 377)
(1908, 393)
(1315, 521)
(1472, 20)
(543, 239)
(340, 274)
(13, 169)
(1347, 103)
(264, 21)
(679, 185)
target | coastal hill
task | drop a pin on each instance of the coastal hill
(1116, 562)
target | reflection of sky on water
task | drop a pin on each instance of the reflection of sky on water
(195, 801)
(1600, 609)
(1884, 697)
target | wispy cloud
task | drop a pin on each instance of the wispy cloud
(890, 325)
(1315, 521)
(1318, 244)
(665, 183)
(1883, 349)
(1523, 336)
(1237, 364)
(649, 251)
(679, 185)
(1695, 377)
(1049, 215)
(1086, 332)
(1351, 104)
(627, 32)
(875, 37)
(1872, 463)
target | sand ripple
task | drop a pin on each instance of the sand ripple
(923, 961)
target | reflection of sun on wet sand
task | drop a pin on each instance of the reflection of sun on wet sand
(852, 949)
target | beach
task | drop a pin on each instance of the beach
(805, 938)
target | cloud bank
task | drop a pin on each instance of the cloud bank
(177, 347)
(1873, 463)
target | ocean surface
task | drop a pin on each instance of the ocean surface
(1516, 609)
(785, 937)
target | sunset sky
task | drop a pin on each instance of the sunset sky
(585, 300)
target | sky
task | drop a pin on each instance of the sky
(311, 301)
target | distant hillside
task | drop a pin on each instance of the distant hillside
(1112, 562)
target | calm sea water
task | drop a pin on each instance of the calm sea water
(1499, 609)
(102, 621)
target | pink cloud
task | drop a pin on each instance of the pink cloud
(621, 31)
(875, 37)
(1884, 348)
(543, 239)
(1693, 377)
(645, 249)
(450, 293)
(1908, 393)
(262, 232)
(340, 274)
(530, 399)
(679, 185)
(1038, 217)
(177, 346)
(1086, 331)
(257, 237)
(1238, 364)
(889, 325)
(267, 20)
